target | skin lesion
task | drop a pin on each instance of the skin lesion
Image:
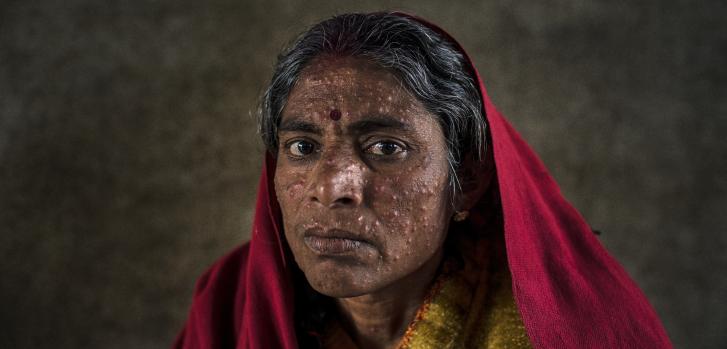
(365, 199)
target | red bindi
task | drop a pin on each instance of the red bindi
(335, 115)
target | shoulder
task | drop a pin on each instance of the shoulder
(219, 294)
(227, 272)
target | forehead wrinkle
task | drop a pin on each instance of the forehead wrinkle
(346, 73)
(371, 96)
(301, 96)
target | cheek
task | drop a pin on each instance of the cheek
(289, 186)
(294, 191)
(414, 210)
(290, 192)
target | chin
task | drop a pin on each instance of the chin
(341, 284)
(339, 292)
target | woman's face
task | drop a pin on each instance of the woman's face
(361, 178)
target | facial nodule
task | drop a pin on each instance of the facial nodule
(364, 192)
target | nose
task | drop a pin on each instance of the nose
(337, 181)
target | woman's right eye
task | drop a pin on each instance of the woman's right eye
(301, 148)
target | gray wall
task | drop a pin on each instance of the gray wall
(129, 160)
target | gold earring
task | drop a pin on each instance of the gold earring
(461, 215)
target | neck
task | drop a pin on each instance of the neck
(379, 320)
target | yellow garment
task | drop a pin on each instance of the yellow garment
(465, 308)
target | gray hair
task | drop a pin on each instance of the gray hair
(426, 63)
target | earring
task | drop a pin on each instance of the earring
(461, 215)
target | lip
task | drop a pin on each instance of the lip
(334, 242)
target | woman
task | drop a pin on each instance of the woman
(398, 209)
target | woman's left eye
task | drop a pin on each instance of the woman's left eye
(385, 148)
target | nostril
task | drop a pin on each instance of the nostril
(344, 201)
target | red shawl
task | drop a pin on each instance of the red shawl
(570, 292)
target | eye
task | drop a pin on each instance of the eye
(301, 148)
(385, 148)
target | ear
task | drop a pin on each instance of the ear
(475, 177)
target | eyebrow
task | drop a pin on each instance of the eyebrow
(372, 123)
(297, 125)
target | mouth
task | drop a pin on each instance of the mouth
(335, 242)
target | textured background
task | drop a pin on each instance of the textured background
(128, 156)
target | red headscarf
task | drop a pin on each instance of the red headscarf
(570, 292)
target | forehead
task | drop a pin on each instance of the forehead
(355, 86)
(356, 73)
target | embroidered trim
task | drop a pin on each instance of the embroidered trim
(433, 291)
